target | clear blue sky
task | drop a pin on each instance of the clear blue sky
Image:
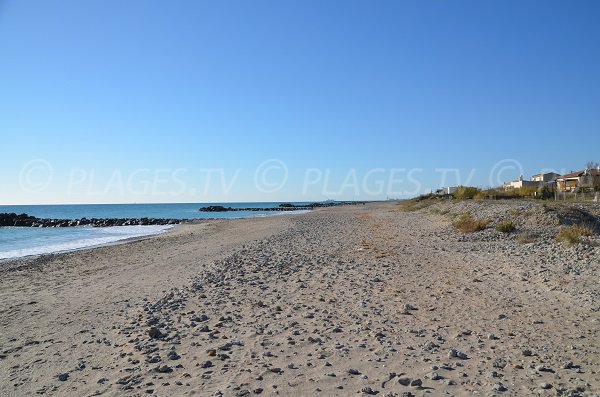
(116, 96)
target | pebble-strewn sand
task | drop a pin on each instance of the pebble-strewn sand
(342, 301)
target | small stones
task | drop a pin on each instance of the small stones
(102, 381)
(567, 365)
(153, 360)
(499, 387)
(499, 363)
(527, 352)
(206, 364)
(63, 376)
(453, 353)
(173, 355)
(416, 383)
(199, 319)
(545, 386)
(353, 371)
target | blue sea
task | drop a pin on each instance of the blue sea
(18, 242)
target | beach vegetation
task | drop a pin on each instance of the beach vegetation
(571, 235)
(466, 223)
(526, 238)
(465, 192)
(506, 227)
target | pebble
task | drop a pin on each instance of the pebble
(404, 381)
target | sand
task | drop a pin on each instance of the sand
(359, 300)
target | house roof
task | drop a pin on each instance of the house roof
(545, 173)
(593, 172)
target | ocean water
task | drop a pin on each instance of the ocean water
(18, 242)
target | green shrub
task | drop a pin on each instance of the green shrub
(467, 224)
(506, 227)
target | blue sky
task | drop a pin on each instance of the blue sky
(135, 101)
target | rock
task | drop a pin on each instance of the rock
(368, 390)
(499, 387)
(543, 368)
(545, 385)
(155, 333)
(453, 353)
(63, 376)
(163, 369)
(404, 381)
(353, 371)
(206, 364)
(416, 383)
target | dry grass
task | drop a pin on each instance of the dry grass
(416, 204)
(506, 227)
(467, 224)
(572, 235)
(526, 238)
(465, 192)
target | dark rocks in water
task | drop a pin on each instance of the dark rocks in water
(281, 207)
(216, 208)
(24, 220)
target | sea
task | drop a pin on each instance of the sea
(16, 242)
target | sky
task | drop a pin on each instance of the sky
(224, 101)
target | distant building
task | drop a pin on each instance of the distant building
(581, 179)
(443, 191)
(547, 177)
(536, 181)
(519, 183)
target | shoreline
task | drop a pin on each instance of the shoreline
(337, 302)
(169, 227)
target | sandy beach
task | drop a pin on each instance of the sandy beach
(343, 301)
